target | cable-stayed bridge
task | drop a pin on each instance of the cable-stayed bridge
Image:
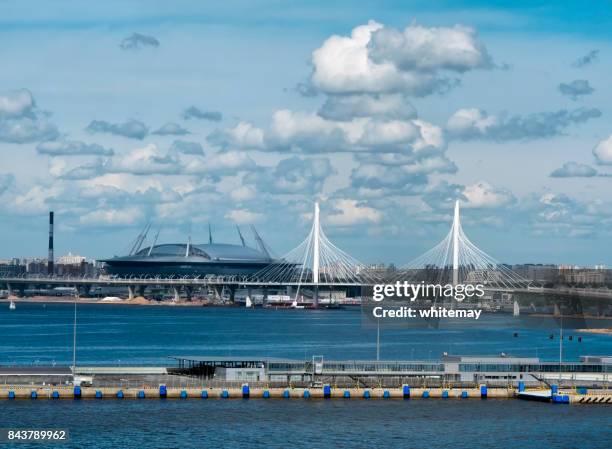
(317, 264)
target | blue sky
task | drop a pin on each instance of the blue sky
(117, 113)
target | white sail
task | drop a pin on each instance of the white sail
(517, 309)
(248, 302)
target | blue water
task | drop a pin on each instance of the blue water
(315, 424)
(124, 334)
(120, 334)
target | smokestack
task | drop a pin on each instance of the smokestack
(50, 257)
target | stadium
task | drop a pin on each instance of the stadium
(186, 259)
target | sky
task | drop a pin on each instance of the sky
(119, 113)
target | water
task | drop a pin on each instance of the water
(315, 424)
(120, 334)
(112, 334)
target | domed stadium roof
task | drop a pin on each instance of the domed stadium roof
(209, 251)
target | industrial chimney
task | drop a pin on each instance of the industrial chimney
(50, 257)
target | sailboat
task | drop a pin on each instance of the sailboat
(517, 310)
(248, 302)
(12, 305)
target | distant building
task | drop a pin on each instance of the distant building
(74, 265)
(70, 259)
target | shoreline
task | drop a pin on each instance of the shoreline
(138, 301)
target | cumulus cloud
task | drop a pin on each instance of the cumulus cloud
(576, 88)
(310, 133)
(21, 121)
(347, 107)
(72, 148)
(132, 129)
(349, 212)
(243, 136)
(470, 124)
(587, 59)
(185, 147)
(112, 217)
(574, 170)
(171, 129)
(244, 216)
(292, 176)
(137, 41)
(220, 164)
(484, 195)
(197, 113)
(377, 59)
(146, 161)
(60, 169)
(603, 151)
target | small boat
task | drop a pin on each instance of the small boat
(12, 305)
(248, 302)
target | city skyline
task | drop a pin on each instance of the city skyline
(194, 114)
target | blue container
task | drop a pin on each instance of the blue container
(77, 392)
(346, 394)
(406, 392)
(204, 394)
(163, 391)
(445, 394)
(521, 386)
(386, 394)
(99, 394)
(11, 394)
(425, 394)
(141, 394)
(306, 394)
(554, 389)
(560, 399)
(326, 391)
(33, 395)
(483, 391)
(286, 394)
(266, 394)
(225, 394)
(120, 394)
(55, 395)
(246, 391)
(183, 394)
(366, 394)
(464, 394)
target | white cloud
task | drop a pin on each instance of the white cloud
(376, 59)
(484, 195)
(603, 151)
(243, 216)
(574, 170)
(112, 217)
(350, 212)
(72, 148)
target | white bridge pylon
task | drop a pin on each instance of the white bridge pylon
(457, 260)
(315, 261)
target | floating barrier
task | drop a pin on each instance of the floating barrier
(99, 394)
(327, 391)
(246, 392)
(286, 394)
(560, 399)
(11, 394)
(306, 394)
(425, 394)
(184, 394)
(445, 394)
(225, 394)
(464, 395)
(346, 394)
(406, 391)
(77, 392)
(266, 394)
(483, 391)
(55, 395)
(141, 394)
(366, 394)
(120, 394)
(163, 391)
(386, 394)
(33, 395)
